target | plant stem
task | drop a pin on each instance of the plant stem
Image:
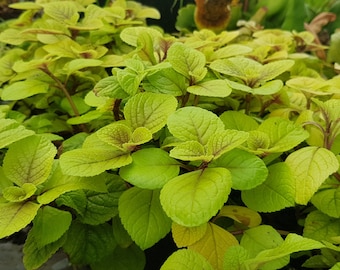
(196, 100)
(62, 87)
(185, 99)
(116, 111)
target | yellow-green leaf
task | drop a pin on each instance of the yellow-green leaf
(149, 110)
(29, 160)
(93, 160)
(241, 214)
(214, 244)
(186, 259)
(212, 88)
(11, 131)
(186, 236)
(23, 89)
(191, 199)
(310, 167)
(16, 216)
(19, 194)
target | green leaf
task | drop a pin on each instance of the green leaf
(238, 120)
(268, 88)
(258, 142)
(78, 64)
(145, 47)
(190, 151)
(194, 124)
(131, 257)
(88, 244)
(49, 225)
(130, 34)
(60, 183)
(109, 87)
(11, 131)
(151, 168)
(65, 13)
(328, 201)
(316, 86)
(321, 227)
(185, 18)
(214, 244)
(186, 236)
(29, 160)
(15, 36)
(186, 259)
(19, 194)
(25, 5)
(336, 266)
(149, 110)
(273, 69)
(310, 167)
(330, 108)
(78, 102)
(283, 134)
(115, 134)
(4, 182)
(35, 256)
(93, 160)
(23, 89)
(143, 217)
(121, 136)
(235, 257)
(332, 55)
(241, 214)
(224, 141)
(212, 88)
(240, 86)
(261, 238)
(293, 243)
(130, 79)
(276, 193)
(85, 118)
(247, 170)
(122, 237)
(191, 199)
(251, 72)
(95, 207)
(240, 67)
(187, 61)
(229, 51)
(16, 216)
(166, 81)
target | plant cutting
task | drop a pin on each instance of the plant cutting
(115, 135)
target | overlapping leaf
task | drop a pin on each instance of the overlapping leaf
(149, 110)
(310, 167)
(143, 217)
(186, 259)
(274, 194)
(29, 160)
(16, 216)
(11, 131)
(93, 160)
(247, 170)
(151, 168)
(187, 61)
(191, 199)
(214, 244)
